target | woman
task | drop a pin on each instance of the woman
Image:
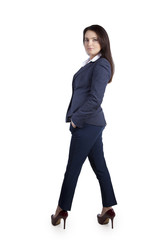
(87, 123)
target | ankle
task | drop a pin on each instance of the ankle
(105, 209)
(58, 210)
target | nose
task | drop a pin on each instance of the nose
(90, 43)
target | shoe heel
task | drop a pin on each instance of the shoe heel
(112, 222)
(64, 219)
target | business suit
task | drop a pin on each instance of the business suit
(88, 88)
(85, 111)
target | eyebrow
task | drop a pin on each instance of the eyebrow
(90, 38)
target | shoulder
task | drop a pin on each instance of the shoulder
(102, 63)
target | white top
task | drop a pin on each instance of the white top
(92, 60)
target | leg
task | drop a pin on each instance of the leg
(97, 161)
(81, 143)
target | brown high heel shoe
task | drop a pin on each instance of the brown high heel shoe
(110, 214)
(57, 220)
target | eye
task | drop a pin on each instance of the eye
(95, 39)
(86, 40)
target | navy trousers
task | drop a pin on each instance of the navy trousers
(86, 142)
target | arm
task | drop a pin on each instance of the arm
(100, 78)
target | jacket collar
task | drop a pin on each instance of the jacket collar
(92, 60)
(86, 64)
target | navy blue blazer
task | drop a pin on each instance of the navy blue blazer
(88, 88)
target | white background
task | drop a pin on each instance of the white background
(40, 50)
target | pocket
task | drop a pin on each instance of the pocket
(71, 128)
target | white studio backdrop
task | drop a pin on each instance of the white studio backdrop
(40, 50)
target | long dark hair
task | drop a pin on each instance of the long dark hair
(104, 43)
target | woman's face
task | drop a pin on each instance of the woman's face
(91, 44)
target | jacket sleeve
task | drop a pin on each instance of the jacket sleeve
(100, 77)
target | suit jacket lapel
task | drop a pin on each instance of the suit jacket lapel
(82, 69)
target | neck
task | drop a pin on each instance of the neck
(91, 57)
